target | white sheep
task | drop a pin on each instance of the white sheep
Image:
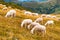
(48, 16)
(39, 20)
(5, 8)
(43, 15)
(49, 22)
(27, 13)
(18, 10)
(54, 17)
(9, 7)
(40, 28)
(11, 13)
(25, 22)
(32, 24)
(58, 19)
(4, 5)
(35, 14)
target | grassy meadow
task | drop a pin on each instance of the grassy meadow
(10, 28)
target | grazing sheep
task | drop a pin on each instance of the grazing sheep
(48, 16)
(4, 5)
(27, 13)
(43, 15)
(39, 20)
(9, 7)
(54, 17)
(26, 22)
(1, 6)
(11, 13)
(58, 19)
(5, 8)
(35, 14)
(32, 24)
(49, 22)
(39, 28)
(18, 10)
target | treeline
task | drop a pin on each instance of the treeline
(47, 8)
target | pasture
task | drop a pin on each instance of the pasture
(10, 28)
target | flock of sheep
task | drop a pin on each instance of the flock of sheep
(29, 24)
(33, 25)
(36, 25)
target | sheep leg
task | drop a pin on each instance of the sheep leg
(11, 15)
(14, 15)
(5, 15)
(45, 24)
(8, 15)
(22, 24)
(32, 31)
(29, 26)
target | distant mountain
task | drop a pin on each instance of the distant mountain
(24, 0)
(11, 0)
(33, 0)
(39, 6)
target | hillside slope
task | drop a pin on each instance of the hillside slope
(10, 28)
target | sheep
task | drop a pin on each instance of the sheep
(39, 20)
(49, 22)
(48, 16)
(58, 19)
(54, 17)
(18, 10)
(39, 28)
(32, 24)
(27, 13)
(4, 5)
(35, 14)
(1, 6)
(5, 8)
(25, 22)
(11, 13)
(43, 15)
(9, 7)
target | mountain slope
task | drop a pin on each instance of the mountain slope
(10, 28)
